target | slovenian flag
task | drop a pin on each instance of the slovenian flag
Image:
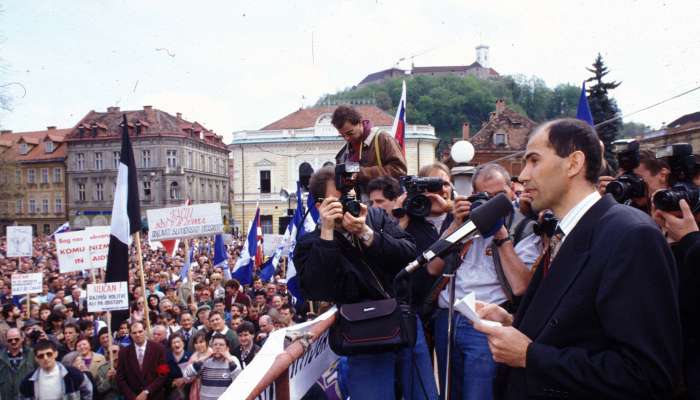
(299, 227)
(243, 270)
(65, 227)
(399, 127)
(583, 111)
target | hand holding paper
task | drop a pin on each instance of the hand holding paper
(467, 307)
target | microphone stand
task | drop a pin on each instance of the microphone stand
(450, 333)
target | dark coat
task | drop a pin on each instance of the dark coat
(132, 379)
(604, 322)
(333, 270)
(244, 363)
(393, 160)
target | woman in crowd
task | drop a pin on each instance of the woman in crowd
(201, 353)
(178, 359)
(87, 360)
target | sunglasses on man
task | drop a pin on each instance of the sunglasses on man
(47, 354)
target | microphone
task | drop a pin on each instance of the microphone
(482, 219)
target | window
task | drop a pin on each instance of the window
(32, 206)
(174, 191)
(23, 148)
(264, 181)
(201, 162)
(44, 175)
(189, 159)
(30, 176)
(202, 195)
(172, 158)
(499, 138)
(58, 206)
(211, 192)
(45, 206)
(99, 191)
(147, 188)
(146, 158)
(48, 146)
(19, 204)
(81, 191)
(266, 222)
(18, 176)
(115, 159)
(80, 164)
(98, 161)
(47, 229)
(210, 165)
(57, 175)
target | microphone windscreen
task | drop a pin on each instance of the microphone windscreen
(488, 214)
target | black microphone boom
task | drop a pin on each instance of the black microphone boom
(482, 219)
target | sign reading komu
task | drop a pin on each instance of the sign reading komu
(73, 251)
(185, 221)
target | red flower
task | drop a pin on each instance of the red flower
(163, 370)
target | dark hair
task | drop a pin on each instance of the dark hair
(179, 317)
(102, 331)
(259, 293)
(85, 325)
(201, 334)
(344, 114)
(176, 335)
(648, 159)
(217, 301)
(388, 185)
(7, 309)
(233, 284)
(567, 135)
(288, 307)
(319, 181)
(218, 336)
(246, 326)
(85, 338)
(44, 345)
(214, 312)
(72, 325)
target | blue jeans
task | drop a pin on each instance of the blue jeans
(416, 369)
(371, 376)
(473, 368)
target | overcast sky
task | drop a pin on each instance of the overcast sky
(235, 65)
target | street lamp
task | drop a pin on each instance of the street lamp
(462, 153)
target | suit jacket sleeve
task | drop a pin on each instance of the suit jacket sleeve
(638, 309)
(393, 161)
(122, 368)
(160, 380)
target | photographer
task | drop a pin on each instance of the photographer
(377, 152)
(478, 271)
(349, 259)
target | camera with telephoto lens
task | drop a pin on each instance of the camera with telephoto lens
(345, 182)
(417, 204)
(683, 167)
(547, 226)
(477, 199)
(629, 185)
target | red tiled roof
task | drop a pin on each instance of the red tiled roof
(515, 125)
(36, 139)
(306, 117)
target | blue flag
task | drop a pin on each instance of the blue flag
(583, 112)
(186, 267)
(221, 256)
(243, 270)
(267, 270)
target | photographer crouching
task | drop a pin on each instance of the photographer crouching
(351, 259)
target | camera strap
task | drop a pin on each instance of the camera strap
(376, 149)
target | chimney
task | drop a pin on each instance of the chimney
(112, 110)
(178, 115)
(465, 131)
(6, 132)
(50, 128)
(500, 106)
(147, 108)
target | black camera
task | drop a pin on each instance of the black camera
(417, 204)
(681, 161)
(629, 185)
(547, 226)
(477, 199)
(345, 182)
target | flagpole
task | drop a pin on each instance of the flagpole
(189, 270)
(109, 346)
(146, 316)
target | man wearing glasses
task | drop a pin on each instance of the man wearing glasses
(376, 151)
(16, 362)
(52, 380)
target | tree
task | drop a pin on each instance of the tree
(604, 108)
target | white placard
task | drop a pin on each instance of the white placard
(73, 251)
(27, 283)
(185, 221)
(19, 241)
(107, 297)
(271, 242)
(98, 245)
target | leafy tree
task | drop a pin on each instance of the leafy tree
(634, 129)
(604, 108)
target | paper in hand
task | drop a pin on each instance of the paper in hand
(467, 307)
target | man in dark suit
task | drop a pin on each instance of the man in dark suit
(142, 368)
(600, 318)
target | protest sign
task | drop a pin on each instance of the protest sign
(26, 283)
(107, 297)
(185, 221)
(98, 245)
(271, 242)
(73, 251)
(19, 241)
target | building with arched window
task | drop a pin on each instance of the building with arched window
(273, 158)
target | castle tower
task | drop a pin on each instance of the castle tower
(482, 55)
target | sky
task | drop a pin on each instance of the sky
(237, 65)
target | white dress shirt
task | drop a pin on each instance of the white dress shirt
(569, 221)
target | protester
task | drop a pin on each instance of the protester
(248, 349)
(52, 380)
(142, 370)
(106, 377)
(178, 359)
(216, 372)
(16, 361)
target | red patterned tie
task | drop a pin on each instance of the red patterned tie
(552, 250)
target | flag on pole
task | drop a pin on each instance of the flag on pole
(399, 127)
(126, 213)
(299, 227)
(259, 251)
(65, 227)
(583, 111)
(172, 245)
(312, 215)
(189, 257)
(221, 256)
(267, 270)
(243, 270)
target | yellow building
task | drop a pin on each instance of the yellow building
(33, 184)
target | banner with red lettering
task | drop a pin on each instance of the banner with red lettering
(98, 245)
(107, 297)
(73, 251)
(185, 221)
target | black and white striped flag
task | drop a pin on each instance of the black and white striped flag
(126, 213)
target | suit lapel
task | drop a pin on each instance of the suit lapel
(571, 259)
